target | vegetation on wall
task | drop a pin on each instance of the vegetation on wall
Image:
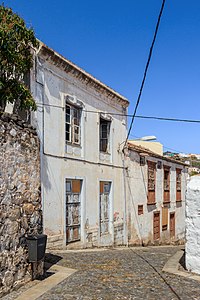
(16, 41)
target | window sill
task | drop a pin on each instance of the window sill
(107, 153)
(178, 200)
(151, 203)
(166, 202)
(73, 145)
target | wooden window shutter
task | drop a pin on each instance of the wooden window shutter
(76, 186)
(140, 209)
(164, 218)
(151, 197)
(178, 184)
(101, 187)
(151, 176)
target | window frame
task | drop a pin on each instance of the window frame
(107, 123)
(166, 182)
(73, 115)
(105, 189)
(140, 209)
(178, 184)
(151, 197)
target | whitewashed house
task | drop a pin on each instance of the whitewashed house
(94, 192)
(192, 246)
(81, 123)
(156, 188)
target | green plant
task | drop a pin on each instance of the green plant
(192, 173)
(16, 41)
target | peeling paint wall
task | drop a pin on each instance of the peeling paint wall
(50, 83)
(140, 226)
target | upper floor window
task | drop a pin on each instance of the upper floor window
(166, 184)
(178, 184)
(72, 124)
(104, 135)
(151, 199)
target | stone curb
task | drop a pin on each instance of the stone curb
(39, 289)
(85, 250)
(172, 266)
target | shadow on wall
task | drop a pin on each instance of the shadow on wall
(179, 204)
(134, 210)
(45, 173)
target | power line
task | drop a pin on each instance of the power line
(127, 115)
(168, 119)
(146, 69)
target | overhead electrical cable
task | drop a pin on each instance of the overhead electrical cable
(146, 69)
(168, 119)
(127, 115)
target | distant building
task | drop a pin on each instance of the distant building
(156, 188)
(194, 169)
(153, 146)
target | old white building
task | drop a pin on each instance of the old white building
(81, 123)
(156, 197)
(93, 192)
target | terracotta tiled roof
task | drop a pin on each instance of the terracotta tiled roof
(143, 150)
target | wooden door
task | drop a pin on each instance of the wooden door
(156, 225)
(172, 225)
(73, 210)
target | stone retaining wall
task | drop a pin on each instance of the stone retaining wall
(20, 201)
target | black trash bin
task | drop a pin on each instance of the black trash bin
(36, 247)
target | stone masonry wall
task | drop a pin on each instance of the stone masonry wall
(20, 202)
(192, 247)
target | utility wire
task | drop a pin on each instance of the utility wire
(146, 69)
(168, 119)
(127, 115)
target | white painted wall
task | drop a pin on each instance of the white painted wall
(192, 247)
(141, 226)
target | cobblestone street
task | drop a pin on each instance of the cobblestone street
(134, 273)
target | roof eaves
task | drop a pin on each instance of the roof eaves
(141, 149)
(71, 66)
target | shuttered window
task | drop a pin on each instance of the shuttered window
(164, 218)
(166, 183)
(104, 206)
(178, 184)
(151, 198)
(73, 210)
(140, 209)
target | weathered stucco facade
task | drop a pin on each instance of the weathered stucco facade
(192, 247)
(156, 198)
(20, 203)
(81, 123)
(93, 193)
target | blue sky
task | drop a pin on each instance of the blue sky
(111, 40)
